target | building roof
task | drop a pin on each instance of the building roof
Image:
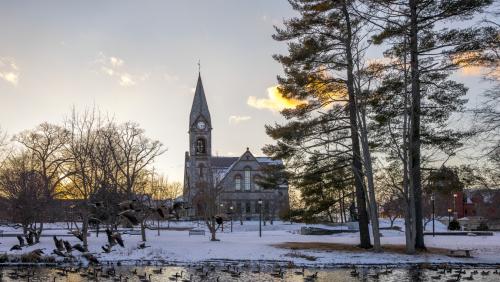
(267, 160)
(226, 162)
(223, 162)
(199, 106)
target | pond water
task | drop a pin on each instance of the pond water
(236, 273)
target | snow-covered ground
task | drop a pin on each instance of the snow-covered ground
(245, 244)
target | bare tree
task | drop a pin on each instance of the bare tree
(3, 146)
(82, 169)
(208, 198)
(23, 188)
(45, 143)
(3, 138)
(132, 152)
(163, 189)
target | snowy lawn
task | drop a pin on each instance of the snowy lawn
(244, 244)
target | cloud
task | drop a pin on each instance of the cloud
(275, 101)
(116, 62)
(108, 71)
(473, 64)
(170, 77)
(126, 80)
(115, 67)
(238, 119)
(9, 71)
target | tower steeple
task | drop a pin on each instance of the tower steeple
(200, 149)
(199, 107)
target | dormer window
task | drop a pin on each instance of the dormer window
(200, 146)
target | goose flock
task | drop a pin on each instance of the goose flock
(209, 272)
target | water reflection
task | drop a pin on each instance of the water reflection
(242, 273)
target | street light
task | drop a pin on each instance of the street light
(455, 205)
(231, 209)
(221, 209)
(260, 217)
(449, 216)
(433, 215)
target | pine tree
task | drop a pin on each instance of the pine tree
(324, 185)
(320, 70)
(433, 51)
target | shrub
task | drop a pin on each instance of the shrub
(285, 214)
(30, 258)
(4, 258)
(454, 225)
(483, 226)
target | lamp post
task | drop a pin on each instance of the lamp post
(260, 217)
(449, 216)
(433, 215)
(231, 211)
(221, 209)
(455, 205)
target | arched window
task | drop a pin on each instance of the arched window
(237, 182)
(200, 146)
(247, 179)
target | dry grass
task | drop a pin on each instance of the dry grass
(300, 255)
(318, 246)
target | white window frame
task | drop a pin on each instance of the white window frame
(237, 183)
(247, 178)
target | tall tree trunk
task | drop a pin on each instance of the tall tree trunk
(211, 225)
(341, 206)
(85, 230)
(38, 232)
(372, 203)
(143, 231)
(415, 176)
(407, 192)
(364, 232)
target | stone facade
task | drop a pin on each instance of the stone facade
(237, 177)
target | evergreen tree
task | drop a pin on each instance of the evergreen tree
(434, 50)
(319, 69)
(324, 185)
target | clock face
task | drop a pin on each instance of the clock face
(201, 125)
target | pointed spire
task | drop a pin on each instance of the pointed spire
(200, 106)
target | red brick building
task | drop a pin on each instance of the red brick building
(471, 202)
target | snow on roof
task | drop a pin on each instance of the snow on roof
(268, 160)
(223, 162)
(228, 162)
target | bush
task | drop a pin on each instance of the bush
(4, 258)
(30, 258)
(285, 214)
(483, 226)
(454, 225)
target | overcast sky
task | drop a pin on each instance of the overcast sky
(137, 60)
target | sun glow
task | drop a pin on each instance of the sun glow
(275, 101)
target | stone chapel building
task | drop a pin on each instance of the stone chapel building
(236, 176)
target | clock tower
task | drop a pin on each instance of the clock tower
(200, 148)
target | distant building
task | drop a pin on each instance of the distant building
(471, 202)
(478, 202)
(236, 175)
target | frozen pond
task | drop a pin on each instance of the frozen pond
(237, 273)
